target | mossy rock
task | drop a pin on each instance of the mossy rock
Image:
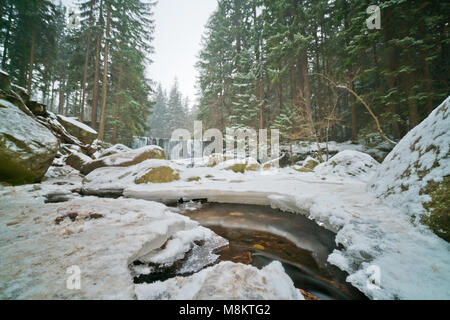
(438, 208)
(253, 167)
(191, 179)
(303, 169)
(162, 174)
(126, 159)
(310, 164)
(27, 148)
(238, 167)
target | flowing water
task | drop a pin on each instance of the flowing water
(259, 235)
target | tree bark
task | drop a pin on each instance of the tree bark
(7, 35)
(97, 71)
(31, 67)
(86, 63)
(101, 131)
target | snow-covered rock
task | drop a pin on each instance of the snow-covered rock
(77, 159)
(42, 244)
(84, 133)
(125, 159)
(27, 148)
(225, 281)
(117, 148)
(347, 165)
(116, 178)
(415, 176)
(240, 165)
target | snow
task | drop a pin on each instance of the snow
(77, 123)
(121, 158)
(397, 179)
(18, 128)
(348, 164)
(36, 251)
(371, 232)
(225, 281)
(118, 148)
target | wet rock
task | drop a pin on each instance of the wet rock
(27, 148)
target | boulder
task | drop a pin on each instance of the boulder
(161, 174)
(240, 165)
(38, 109)
(349, 164)
(77, 160)
(27, 148)
(84, 133)
(5, 81)
(125, 159)
(415, 176)
(308, 165)
(118, 148)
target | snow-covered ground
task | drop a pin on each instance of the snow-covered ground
(379, 241)
(385, 254)
(41, 244)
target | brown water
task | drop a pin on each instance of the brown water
(259, 235)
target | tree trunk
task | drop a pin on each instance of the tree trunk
(97, 72)
(101, 131)
(7, 35)
(61, 97)
(117, 105)
(354, 118)
(30, 72)
(86, 63)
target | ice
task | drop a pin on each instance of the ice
(225, 281)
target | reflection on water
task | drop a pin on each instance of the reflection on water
(258, 235)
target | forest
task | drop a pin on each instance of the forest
(293, 65)
(312, 69)
(89, 64)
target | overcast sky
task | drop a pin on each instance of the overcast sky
(179, 27)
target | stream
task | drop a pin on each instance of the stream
(258, 235)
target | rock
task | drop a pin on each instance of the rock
(125, 159)
(310, 163)
(22, 92)
(161, 174)
(38, 109)
(118, 148)
(77, 160)
(415, 176)
(84, 133)
(348, 164)
(27, 148)
(240, 165)
(97, 148)
(5, 81)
